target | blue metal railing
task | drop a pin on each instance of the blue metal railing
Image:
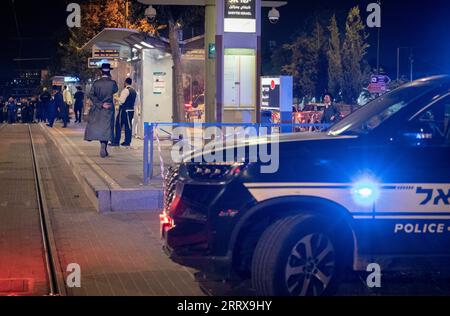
(151, 128)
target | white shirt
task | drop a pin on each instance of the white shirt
(67, 95)
(124, 95)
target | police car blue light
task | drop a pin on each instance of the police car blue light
(366, 192)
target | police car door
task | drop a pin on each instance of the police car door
(413, 216)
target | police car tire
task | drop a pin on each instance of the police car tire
(273, 250)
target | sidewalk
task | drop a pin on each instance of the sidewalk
(119, 254)
(114, 184)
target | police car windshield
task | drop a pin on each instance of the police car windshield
(373, 114)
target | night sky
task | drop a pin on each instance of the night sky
(424, 25)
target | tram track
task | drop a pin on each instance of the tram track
(52, 265)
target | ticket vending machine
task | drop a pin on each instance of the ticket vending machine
(277, 98)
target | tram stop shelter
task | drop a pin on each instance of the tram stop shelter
(147, 60)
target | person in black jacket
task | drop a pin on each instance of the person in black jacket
(78, 107)
(44, 107)
(126, 113)
(331, 114)
(57, 105)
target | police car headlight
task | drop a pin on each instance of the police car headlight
(214, 171)
(366, 192)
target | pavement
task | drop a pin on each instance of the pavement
(119, 253)
(22, 265)
(113, 184)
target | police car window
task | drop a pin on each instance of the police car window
(376, 120)
(373, 114)
(433, 122)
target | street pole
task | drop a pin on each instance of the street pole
(411, 60)
(378, 46)
(378, 51)
(210, 61)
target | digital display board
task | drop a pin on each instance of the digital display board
(240, 16)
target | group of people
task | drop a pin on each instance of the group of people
(103, 124)
(47, 107)
(17, 110)
(57, 105)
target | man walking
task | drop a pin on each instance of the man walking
(57, 105)
(43, 110)
(101, 115)
(78, 108)
(125, 117)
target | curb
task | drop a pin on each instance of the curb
(103, 192)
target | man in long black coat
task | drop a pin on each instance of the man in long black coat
(101, 115)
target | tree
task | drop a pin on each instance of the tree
(97, 15)
(335, 76)
(302, 65)
(321, 41)
(307, 63)
(353, 52)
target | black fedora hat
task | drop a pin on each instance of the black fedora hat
(106, 67)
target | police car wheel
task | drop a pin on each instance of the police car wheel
(297, 256)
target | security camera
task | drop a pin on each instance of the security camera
(150, 14)
(274, 16)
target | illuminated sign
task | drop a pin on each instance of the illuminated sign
(240, 16)
(212, 51)
(105, 53)
(270, 93)
(97, 62)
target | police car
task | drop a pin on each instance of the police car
(374, 188)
